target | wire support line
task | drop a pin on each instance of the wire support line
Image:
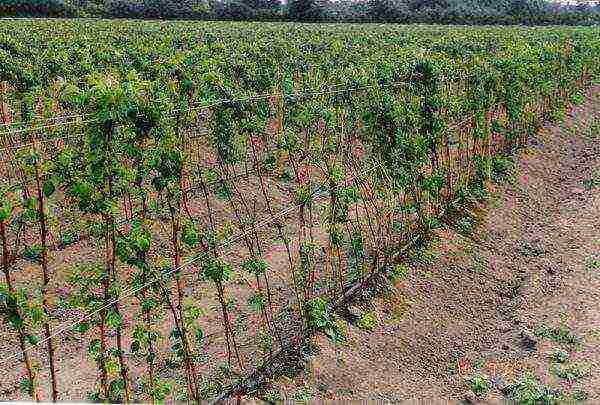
(256, 97)
(131, 292)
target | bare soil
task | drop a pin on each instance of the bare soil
(477, 300)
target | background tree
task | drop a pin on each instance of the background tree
(305, 10)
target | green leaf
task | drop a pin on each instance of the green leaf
(83, 327)
(48, 188)
(32, 339)
(257, 302)
(26, 386)
(199, 335)
(114, 320)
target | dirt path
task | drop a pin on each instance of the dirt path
(495, 297)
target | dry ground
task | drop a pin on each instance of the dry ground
(490, 296)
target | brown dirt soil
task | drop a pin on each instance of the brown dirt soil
(477, 300)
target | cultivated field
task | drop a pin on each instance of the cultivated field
(181, 203)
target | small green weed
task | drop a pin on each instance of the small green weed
(528, 390)
(302, 395)
(68, 238)
(273, 396)
(480, 264)
(561, 334)
(559, 355)
(594, 130)
(286, 175)
(367, 321)
(33, 253)
(580, 395)
(591, 263)
(398, 272)
(528, 250)
(479, 384)
(593, 182)
(570, 372)
(320, 318)
(501, 168)
(577, 98)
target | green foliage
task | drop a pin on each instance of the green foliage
(398, 272)
(215, 269)
(367, 321)
(255, 266)
(580, 395)
(560, 334)
(529, 390)
(33, 253)
(165, 117)
(559, 355)
(571, 372)
(320, 318)
(257, 302)
(479, 384)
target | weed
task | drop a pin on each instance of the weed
(33, 253)
(273, 396)
(594, 130)
(266, 343)
(593, 182)
(578, 98)
(480, 384)
(528, 390)
(367, 321)
(571, 372)
(398, 272)
(286, 175)
(466, 225)
(559, 355)
(479, 264)
(528, 250)
(579, 395)
(67, 239)
(561, 334)
(320, 318)
(501, 168)
(591, 263)
(302, 395)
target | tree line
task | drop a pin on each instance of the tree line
(473, 12)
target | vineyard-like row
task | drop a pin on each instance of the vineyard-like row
(180, 201)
